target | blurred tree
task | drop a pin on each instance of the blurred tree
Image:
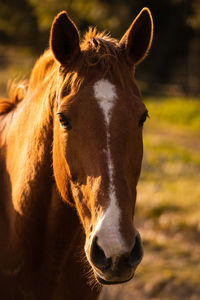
(84, 13)
(172, 35)
(175, 51)
(18, 24)
(195, 20)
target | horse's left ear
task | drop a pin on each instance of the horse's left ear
(64, 38)
(137, 39)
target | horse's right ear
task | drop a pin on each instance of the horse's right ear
(64, 38)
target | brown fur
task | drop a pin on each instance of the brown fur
(40, 234)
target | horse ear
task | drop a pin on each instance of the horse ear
(64, 38)
(137, 39)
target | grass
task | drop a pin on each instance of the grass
(180, 112)
(168, 206)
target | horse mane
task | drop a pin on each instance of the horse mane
(98, 49)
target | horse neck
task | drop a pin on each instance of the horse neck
(33, 206)
(26, 135)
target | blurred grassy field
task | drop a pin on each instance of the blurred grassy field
(168, 205)
(15, 64)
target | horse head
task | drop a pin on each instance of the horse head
(97, 147)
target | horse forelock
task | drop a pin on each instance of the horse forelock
(100, 42)
(101, 51)
(100, 56)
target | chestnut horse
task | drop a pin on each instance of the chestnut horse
(70, 153)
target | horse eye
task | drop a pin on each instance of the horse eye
(143, 118)
(64, 122)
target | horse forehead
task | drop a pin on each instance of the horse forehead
(105, 90)
(105, 93)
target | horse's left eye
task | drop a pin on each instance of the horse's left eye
(64, 121)
(143, 119)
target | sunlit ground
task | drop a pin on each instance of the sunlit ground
(168, 205)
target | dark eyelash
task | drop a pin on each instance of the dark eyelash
(64, 121)
(143, 118)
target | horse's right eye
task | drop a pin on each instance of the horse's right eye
(143, 119)
(64, 121)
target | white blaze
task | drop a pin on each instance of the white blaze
(107, 228)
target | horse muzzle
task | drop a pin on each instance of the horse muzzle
(117, 269)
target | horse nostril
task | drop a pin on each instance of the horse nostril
(98, 257)
(136, 253)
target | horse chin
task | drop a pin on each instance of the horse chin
(112, 282)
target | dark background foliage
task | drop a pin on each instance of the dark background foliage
(173, 65)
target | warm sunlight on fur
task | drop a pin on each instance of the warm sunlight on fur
(70, 155)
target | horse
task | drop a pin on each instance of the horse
(70, 159)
